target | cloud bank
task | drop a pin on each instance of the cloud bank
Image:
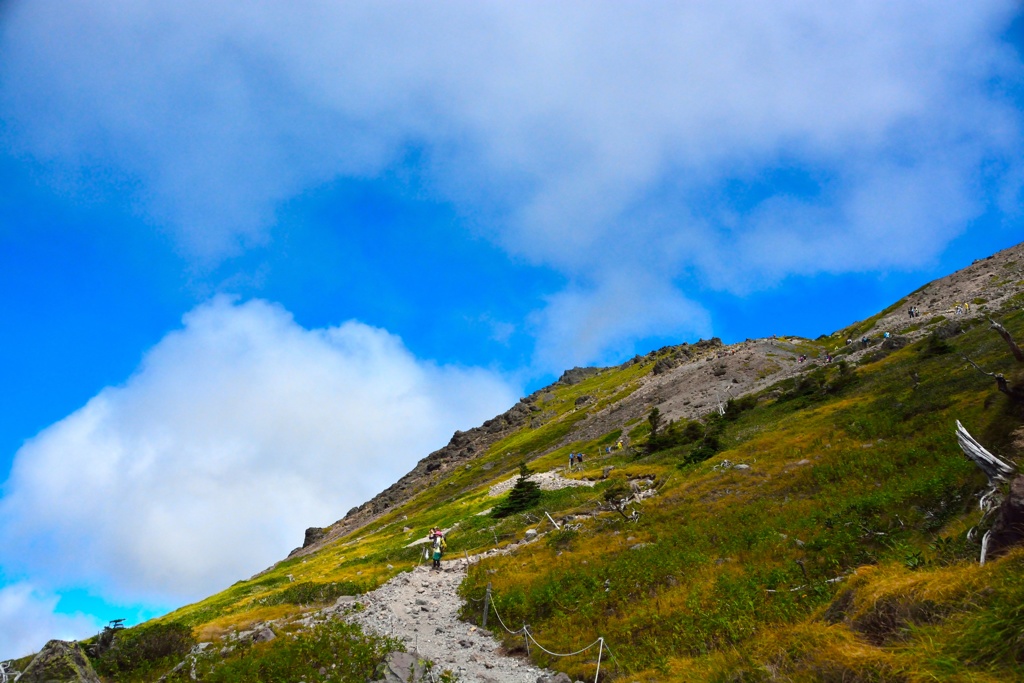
(737, 141)
(28, 620)
(235, 434)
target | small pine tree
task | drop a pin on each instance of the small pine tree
(654, 419)
(523, 496)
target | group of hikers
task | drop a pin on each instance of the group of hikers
(575, 459)
(962, 308)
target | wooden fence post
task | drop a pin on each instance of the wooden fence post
(487, 603)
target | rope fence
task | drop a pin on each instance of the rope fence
(527, 636)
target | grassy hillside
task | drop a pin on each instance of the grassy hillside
(814, 531)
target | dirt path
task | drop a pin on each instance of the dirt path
(421, 608)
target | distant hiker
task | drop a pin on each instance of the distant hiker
(579, 459)
(864, 341)
(848, 341)
(439, 546)
(967, 308)
(886, 335)
(618, 446)
(572, 459)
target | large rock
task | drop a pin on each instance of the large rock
(60, 662)
(402, 667)
(313, 534)
(1008, 529)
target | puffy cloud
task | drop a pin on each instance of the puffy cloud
(564, 126)
(28, 620)
(589, 321)
(236, 433)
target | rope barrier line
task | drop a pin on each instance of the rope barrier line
(525, 631)
(558, 654)
(616, 659)
(511, 632)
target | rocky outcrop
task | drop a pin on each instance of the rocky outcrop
(60, 662)
(313, 534)
(577, 375)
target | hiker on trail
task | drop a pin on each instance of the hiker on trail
(967, 308)
(438, 547)
(579, 459)
(618, 446)
(572, 459)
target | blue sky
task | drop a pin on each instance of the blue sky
(230, 234)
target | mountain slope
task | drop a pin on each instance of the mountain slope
(798, 518)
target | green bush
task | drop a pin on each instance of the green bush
(339, 648)
(309, 593)
(138, 653)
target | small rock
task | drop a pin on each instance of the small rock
(531, 534)
(741, 467)
(560, 677)
(606, 471)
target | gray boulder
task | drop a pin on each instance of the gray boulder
(60, 662)
(402, 667)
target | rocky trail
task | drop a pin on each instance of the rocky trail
(421, 609)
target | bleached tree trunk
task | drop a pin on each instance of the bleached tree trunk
(997, 471)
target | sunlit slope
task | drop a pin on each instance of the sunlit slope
(838, 551)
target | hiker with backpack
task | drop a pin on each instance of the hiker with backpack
(438, 546)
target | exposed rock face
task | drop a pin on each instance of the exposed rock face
(577, 375)
(60, 662)
(313, 534)
(1008, 530)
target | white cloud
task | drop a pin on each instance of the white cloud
(235, 434)
(565, 125)
(28, 621)
(586, 322)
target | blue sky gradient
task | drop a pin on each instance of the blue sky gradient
(225, 231)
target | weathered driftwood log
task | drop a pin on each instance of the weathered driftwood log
(997, 470)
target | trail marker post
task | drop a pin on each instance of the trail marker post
(487, 603)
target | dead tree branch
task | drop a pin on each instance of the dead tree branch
(1001, 382)
(1014, 349)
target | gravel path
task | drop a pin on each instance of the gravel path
(421, 608)
(548, 481)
